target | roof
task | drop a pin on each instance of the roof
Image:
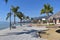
(56, 16)
(39, 18)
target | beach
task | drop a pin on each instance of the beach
(4, 25)
(52, 34)
(20, 33)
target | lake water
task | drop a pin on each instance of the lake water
(4, 25)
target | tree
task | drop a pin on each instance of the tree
(9, 16)
(47, 10)
(32, 18)
(20, 15)
(14, 10)
(27, 17)
(6, 1)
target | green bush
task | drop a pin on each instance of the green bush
(51, 24)
(44, 21)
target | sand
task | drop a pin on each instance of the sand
(20, 33)
(51, 34)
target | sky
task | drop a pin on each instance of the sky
(29, 8)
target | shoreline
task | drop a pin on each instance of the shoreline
(20, 33)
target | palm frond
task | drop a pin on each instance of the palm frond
(8, 15)
(14, 9)
(45, 6)
(6, 1)
(47, 9)
(42, 11)
(27, 17)
(19, 15)
(51, 10)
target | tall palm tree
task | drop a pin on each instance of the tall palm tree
(47, 10)
(14, 10)
(32, 18)
(20, 15)
(27, 17)
(9, 16)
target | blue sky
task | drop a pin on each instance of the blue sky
(28, 7)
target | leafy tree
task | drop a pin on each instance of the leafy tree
(27, 17)
(47, 9)
(32, 18)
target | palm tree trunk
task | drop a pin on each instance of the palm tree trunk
(47, 19)
(21, 22)
(10, 22)
(14, 19)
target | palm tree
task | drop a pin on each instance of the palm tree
(9, 16)
(47, 10)
(20, 15)
(6, 1)
(32, 18)
(27, 17)
(14, 10)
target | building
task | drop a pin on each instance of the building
(42, 19)
(55, 18)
